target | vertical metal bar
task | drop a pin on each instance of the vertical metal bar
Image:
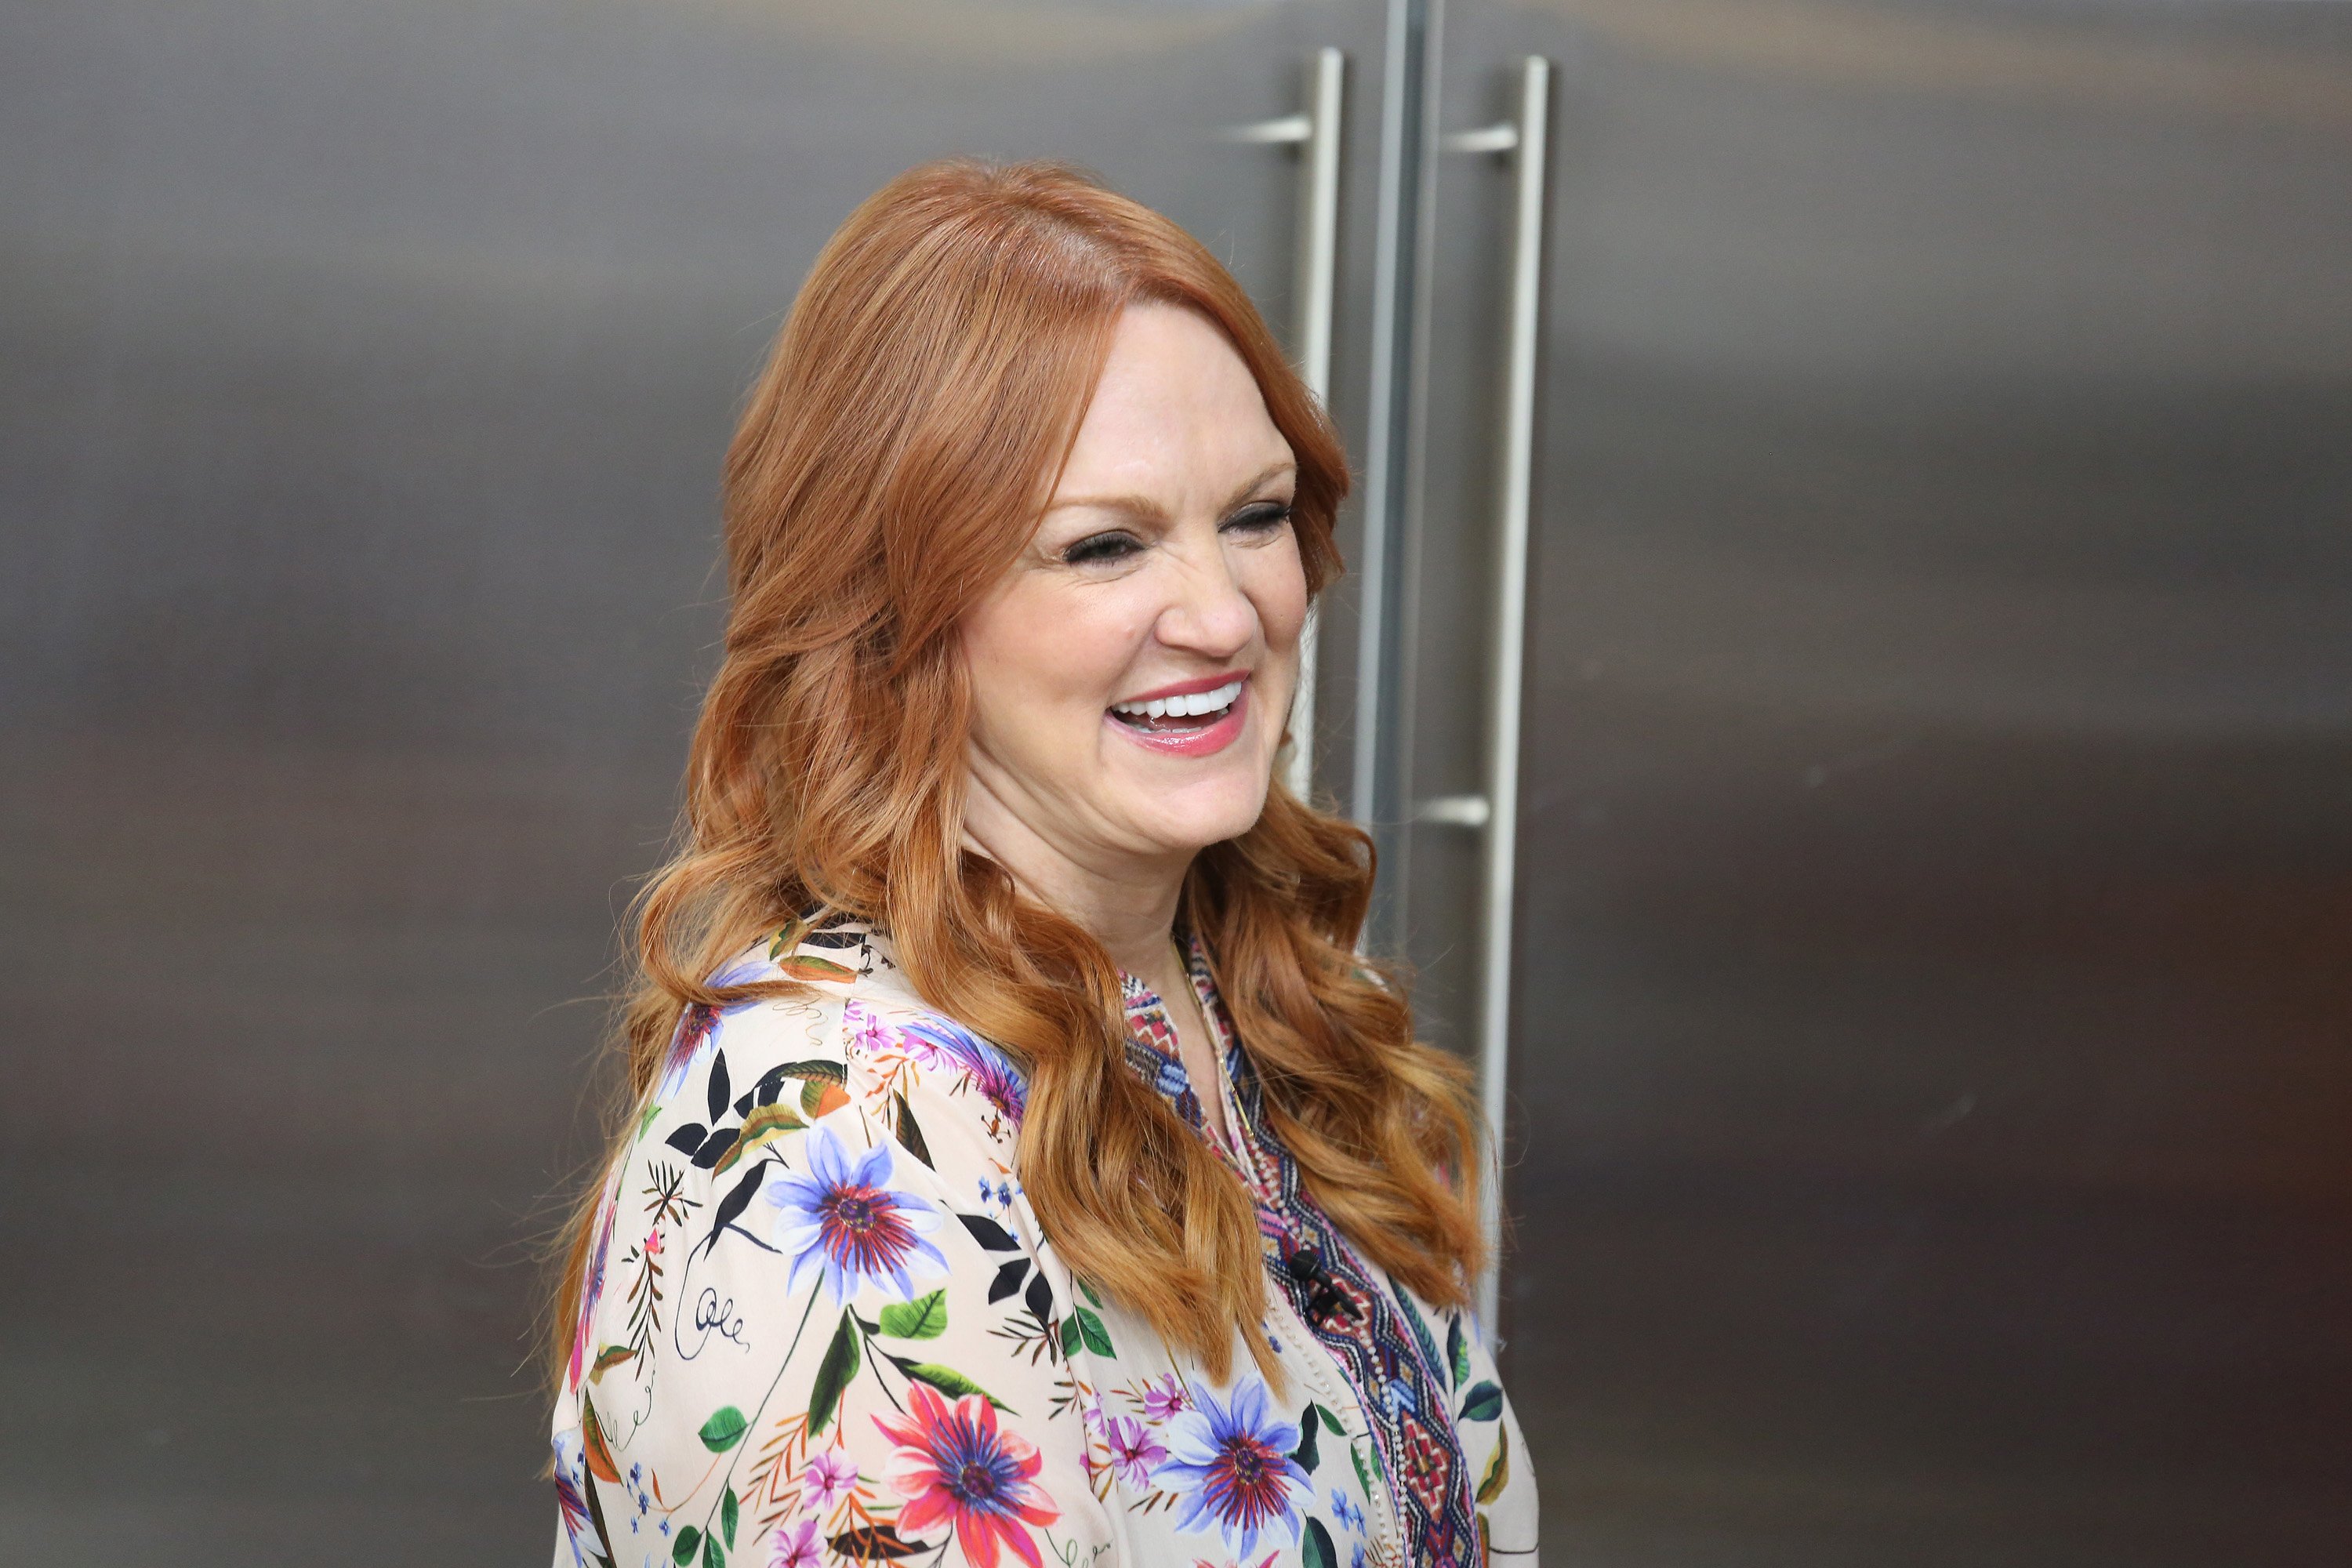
(1318, 269)
(1522, 337)
(1316, 129)
(1396, 259)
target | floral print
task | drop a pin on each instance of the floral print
(822, 1326)
(827, 1479)
(1134, 1449)
(798, 1546)
(954, 1465)
(1231, 1465)
(843, 1220)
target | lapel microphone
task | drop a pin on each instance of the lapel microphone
(1305, 1267)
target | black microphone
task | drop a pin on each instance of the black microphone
(1305, 1267)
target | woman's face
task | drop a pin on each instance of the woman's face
(1132, 670)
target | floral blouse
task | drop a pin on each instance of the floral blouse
(821, 1325)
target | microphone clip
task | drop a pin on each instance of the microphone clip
(1325, 1299)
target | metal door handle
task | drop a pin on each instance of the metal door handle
(1315, 131)
(1523, 140)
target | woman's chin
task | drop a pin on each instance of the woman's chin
(1209, 813)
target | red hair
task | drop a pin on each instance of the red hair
(894, 458)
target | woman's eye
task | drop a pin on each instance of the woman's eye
(1262, 518)
(1099, 547)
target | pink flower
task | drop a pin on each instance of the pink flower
(1133, 1450)
(653, 1242)
(1159, 1403)
(953, 1466)
(828, 1477)
(798, 1546)
(873, 1038)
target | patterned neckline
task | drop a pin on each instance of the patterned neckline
(1152, 1041)
(1377, 1335)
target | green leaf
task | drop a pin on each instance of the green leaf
(1363, 1476)
(1304, 1453)
(833, 1375)
(730, 1514)
(712, 1557)
(909, 1130)
(1318, 1551)
(611, 1356)
(1070, 1336)
(948, 1381)
(762, 1128)
(1483, 1403)
(681, 1551)
(1457, 1349)
(723, 1430)
(1498, 1468)
(787, 936)
(924, 1318)
(1331, 1422)
(807, 966)
(1085, 1290)
(1090, 1329)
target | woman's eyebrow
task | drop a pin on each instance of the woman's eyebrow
(1150, 510)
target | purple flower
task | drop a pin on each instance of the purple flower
(828, 1477)
(1231, 1464)
(797, 1546)
(936, 1043)
(1164, 1396)
(844, 1221)
(1133, 1449)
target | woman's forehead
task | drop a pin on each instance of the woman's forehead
(1175, 406)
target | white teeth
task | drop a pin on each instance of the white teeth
(1187, 707)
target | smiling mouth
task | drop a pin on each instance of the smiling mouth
(1179, 715)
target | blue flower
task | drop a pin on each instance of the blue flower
(844, 1221)
(571, 1494)
(698, 1026)
(1344, 1508)
(1231, 1464)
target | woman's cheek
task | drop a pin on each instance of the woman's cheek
(1279, 589)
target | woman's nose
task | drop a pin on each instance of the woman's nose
(1207, 611)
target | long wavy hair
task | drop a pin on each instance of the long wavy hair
(894, 456)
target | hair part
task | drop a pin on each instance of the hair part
(892, 460)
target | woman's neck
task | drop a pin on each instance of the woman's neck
(1126, 902)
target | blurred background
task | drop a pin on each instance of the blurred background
(1930, 989)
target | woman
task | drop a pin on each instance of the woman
(1020, 1163)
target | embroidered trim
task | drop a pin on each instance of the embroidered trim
(1384, 1348)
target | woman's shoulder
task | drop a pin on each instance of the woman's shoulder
(851, 1033)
